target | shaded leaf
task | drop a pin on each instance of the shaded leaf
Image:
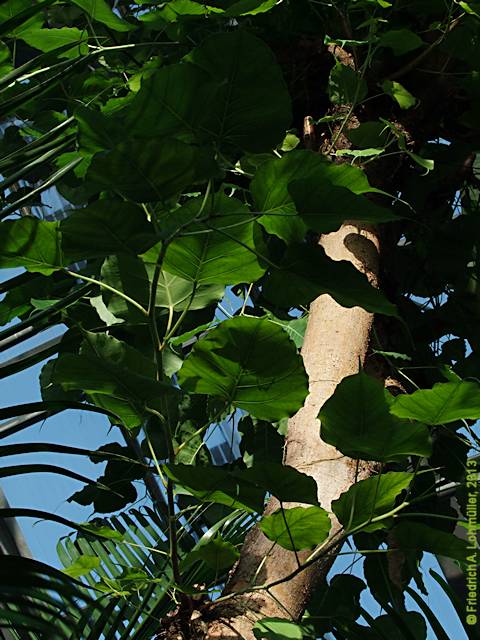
(104, 228)
(400, 41)
(345, 85)
(356, 420)
(306, 272)
(415, 535)
(153, 169)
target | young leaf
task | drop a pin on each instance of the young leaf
(398, 92)
(277, 629)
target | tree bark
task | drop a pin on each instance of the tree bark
(335, 345)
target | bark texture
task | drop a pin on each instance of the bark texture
(336, 343)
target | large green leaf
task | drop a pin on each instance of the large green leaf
(50, 39)
(104, 228)
(415, 535)
(306, 272)
(213, 484)
(99, 11)
(114, 375)
(445, 402)
(252, 364)
(171, 102)
(297, 528)
(369, 499)
(229, 89)
(131, 276)
(245, 488)
(31, 243)
(324, 206)
(153, 169)
(249, 106)
(272, 197)
(222, 249)
(400, 41)
(356, 420)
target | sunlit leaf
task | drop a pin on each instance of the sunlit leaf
(250, 363)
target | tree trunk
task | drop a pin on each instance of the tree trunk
(335, 345)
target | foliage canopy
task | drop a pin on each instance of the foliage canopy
(199, 149)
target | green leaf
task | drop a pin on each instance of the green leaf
(414, 535)
(99, 11)
(104, 228)
(400, 41)
(223, 249)
(388, 626)
(359, 153)
(115, 376)
(213, 484)
(245, 488)
(297, 528)
(250, 363)
(324, 207)
(295, 328)
(50, 39)
(345, 85)
(284, 482)
(260, 442)
(218, 554)
(305, 272)
(445, 402)
(21, 17)
(277, 629)
(369, 499)
(250, 7)
(131, 276)
(82, 566)
(398, 92)
(369, 134)
(271, 195)
(250, 105)
(211, 97)
(31, 243)
(356, 420)
(148, 170)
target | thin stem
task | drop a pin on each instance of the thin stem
(103, 285)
